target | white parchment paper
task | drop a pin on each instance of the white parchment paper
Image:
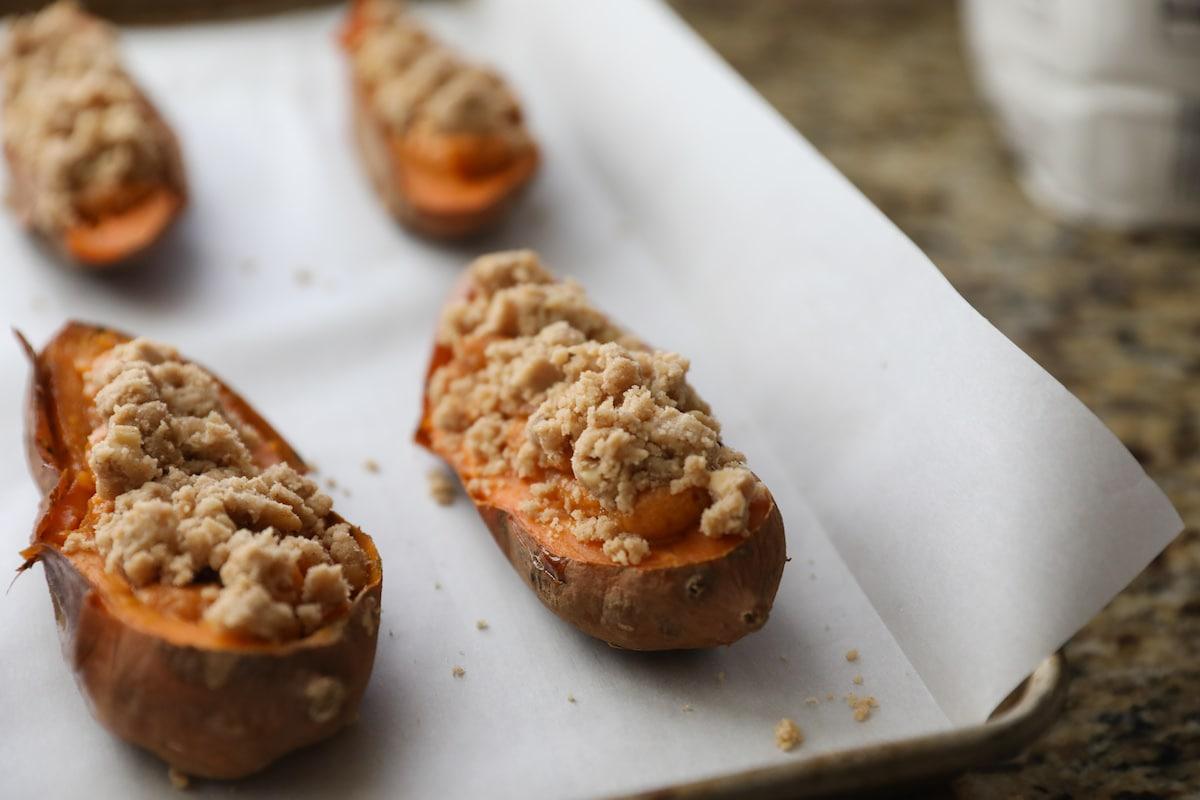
(951, 511)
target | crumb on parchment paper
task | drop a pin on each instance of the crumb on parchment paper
(858, 679)
(481, 624)
(570, 697)
(862, 706)
(372, 466)
(788, 735)
(441, 486)
(458, 671)
(852, 654)
(812, 700)
(178, 779)
(687, 707)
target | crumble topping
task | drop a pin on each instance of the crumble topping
(545, 387)
(187, 503)
(74, 120)
(417, 84)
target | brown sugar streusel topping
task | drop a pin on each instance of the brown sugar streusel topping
(183, 502)
(74, 121)
(543, 386)
(417, 85)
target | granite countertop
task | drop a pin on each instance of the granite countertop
(882, 89)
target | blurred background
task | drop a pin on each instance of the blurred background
(1103, 297)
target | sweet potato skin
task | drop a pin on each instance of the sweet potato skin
(210, 712)
(702, 604)
(698, 605)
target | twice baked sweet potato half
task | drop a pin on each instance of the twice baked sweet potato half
(598, 469)
(444, 142)
(212, 606)
(93, 167)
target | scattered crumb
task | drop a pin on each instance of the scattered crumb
(862, 706)
(372, 466)
(829, 695)
(721, 676)
(812, 700)
(331, 483)
(687, 707)
(325, 696)
(178, 779)
(852, 654)
(458, 671)
(346, 492)
(437, 585)
(788, 735)
(481, 624)
(858, 680)
(304, 277)
(391, 635)
(441, 486)
(570, 698)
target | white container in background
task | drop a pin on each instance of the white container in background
(1100, 101)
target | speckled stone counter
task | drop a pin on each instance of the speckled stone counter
(882, 89)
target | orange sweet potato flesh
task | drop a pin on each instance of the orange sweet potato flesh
(208, 702)
(444, 186)
(691, 591)
(118, 235)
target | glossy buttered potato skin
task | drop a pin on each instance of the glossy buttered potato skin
(715, 597)
(210, 710)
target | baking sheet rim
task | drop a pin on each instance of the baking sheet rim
(1020, 719)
